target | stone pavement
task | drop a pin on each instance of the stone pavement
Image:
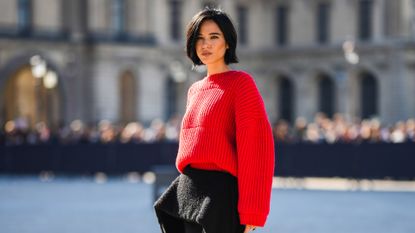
(123, 204)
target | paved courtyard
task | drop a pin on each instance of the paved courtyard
(122, 205)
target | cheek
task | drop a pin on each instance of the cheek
(197, 50)
(198, 44)
(198, 47)
(222, 49)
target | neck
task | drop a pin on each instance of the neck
(216, 69)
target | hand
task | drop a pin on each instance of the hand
(249, 228)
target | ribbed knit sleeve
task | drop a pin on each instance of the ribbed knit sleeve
(255, 154)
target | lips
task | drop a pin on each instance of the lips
(205, 54)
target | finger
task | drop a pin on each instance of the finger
(248, 229)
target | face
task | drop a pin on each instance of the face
(210, 44)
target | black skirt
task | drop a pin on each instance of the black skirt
(207, 198)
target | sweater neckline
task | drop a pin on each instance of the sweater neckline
(217, 75)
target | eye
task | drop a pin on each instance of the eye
(199, 38)
(214, 37)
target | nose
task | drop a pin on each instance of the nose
(206, 44)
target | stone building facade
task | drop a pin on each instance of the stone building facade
(124, 60)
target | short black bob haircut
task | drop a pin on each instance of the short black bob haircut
(225, 25)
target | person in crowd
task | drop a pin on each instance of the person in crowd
(173, 128)
(321, 130)
(281, 131)
(156, 132)
(226, 147)
(410, 130)
(300, 127)
(107, 132)
(132, 133)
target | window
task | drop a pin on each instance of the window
(24, 16)
(175, 22)
(209, 3)
(242, 12)
(285, 99)
(118, 17)
(323, 22)
(128, 95)
(171, 95)
(31, 99)
(326, 95)
(391, 23)
(368, 95)
(365, 19)
(281, 23)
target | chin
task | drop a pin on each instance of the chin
(205, 63)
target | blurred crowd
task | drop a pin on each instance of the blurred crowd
(18, 132)
(321, 130)
(339, 130)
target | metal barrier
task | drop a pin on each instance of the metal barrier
(380, 160)
(165, 174)
(360, 161)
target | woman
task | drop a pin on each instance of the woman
(226, 148)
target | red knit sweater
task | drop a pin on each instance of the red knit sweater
(226, 128)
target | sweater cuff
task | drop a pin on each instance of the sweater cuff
(252, 219)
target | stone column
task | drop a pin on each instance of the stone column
(378, 20)
(80, 95)
(396, 88)
(342, 92)
(304, 96)
(413, 19)
(352, 94)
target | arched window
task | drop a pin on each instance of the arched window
(368, 95)
(21, 99)
(128, 97)
(326, 95)
(32, 99)
(285, 99)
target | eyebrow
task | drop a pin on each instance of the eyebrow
(212, 33)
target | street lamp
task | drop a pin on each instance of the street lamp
(38, 66)
(177, 71)
(349, 52)
(40, 71)
(352, 59)
(50, 80)
(44, 76)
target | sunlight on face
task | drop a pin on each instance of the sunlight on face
(211, 45)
